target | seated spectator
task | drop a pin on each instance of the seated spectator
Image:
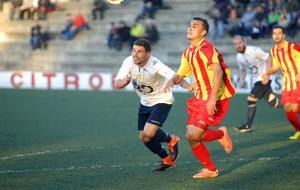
(43, 8)
(13, 6)
(114, 40)
(137, 31)
(45, 37)
(68, 24)
(148, 10)
(35, 39)
(99, 6)
(26, 9)
(124, 30)
(78, 24)
(151, 31)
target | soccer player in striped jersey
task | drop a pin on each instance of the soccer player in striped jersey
(286, 57)
(255, 61)
(149, 77)
(210, 103)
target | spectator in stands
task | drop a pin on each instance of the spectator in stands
(78, 24)
(151, 31)
(124, 31)
(13, 6)
(35, 40)
(68, 25)
(219, 16)
(137, 31)
(114, 40)
(148, 10)
(99, 7)
(26, 9)
(45, 37)
(44, 7)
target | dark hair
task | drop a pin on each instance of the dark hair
(279, 27)
(204, 23)
(143, 42)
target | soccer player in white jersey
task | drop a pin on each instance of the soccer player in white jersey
(256, 61)
(149, 77)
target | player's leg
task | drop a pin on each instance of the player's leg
(152, 135)
(271, 98)
(158, 116)
(257, 92)
(197, 133)
(292, 112)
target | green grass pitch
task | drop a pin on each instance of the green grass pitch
(88, 140)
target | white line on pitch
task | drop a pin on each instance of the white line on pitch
(120, 166)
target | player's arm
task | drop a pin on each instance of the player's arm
(121, 83)
(217, 81)
(123, 77)
(271, 69)
(183, 71)
(243, 71)
(186, 85)
(243, 74)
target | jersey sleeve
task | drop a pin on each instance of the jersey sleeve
(164, 70)
(124, 70)
(184, 69)
(240, 62)
(274, 60)
(261, 54)
(296, 51)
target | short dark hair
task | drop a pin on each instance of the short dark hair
(143, 42)
(204, 23)
(279, 27)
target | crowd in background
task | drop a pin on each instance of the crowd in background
(143, 27)
(254, 18)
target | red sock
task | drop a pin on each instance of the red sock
(294, 120)
(210, 135)
(203, 156)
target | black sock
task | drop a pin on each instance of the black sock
(251, 115)
(156, 148)
(162, 136)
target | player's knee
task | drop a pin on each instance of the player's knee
(290, 107)
(251, 100)
(192, 137)
(143, 137)
(273, 100)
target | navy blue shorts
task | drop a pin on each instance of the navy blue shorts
(259, 90)
(156, 115)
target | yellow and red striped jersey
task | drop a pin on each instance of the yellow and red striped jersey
(197, 60)
(288, 58)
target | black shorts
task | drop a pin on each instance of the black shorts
(259, 90)
(156, 115)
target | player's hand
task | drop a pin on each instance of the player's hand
(121, 83)
(243, 84)
(169, 86)
(265, 79)
(211, 105)
(190, 88)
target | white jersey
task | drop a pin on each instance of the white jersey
(149, 81)
(254, 59)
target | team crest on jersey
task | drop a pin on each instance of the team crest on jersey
(138, 77)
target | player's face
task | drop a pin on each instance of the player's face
(239, 45)
(278, 35)
(140, 55)
(195, 30)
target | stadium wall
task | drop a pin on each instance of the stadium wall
(89, 81)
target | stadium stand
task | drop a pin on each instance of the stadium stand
(89, 52)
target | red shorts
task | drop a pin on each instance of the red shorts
(198, 116)
(292, 96)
